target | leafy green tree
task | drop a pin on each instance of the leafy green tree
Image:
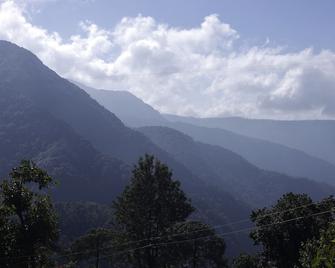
(93, 246)
(28, 223)
(247, 261)
(147, 208)
(196, 245)
(320, 253)
(282, 229)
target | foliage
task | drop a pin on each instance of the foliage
(77, 218)
(247, 261)
(195, 244)
(283, 228)
(28, 224)
(93, 247)
(321, 252)
(147, 208)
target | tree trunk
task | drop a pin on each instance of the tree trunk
(97, 261)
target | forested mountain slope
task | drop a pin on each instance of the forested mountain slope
(263, 154)
(227, 170)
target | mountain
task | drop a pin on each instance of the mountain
(27, 132)
(315, 137)
(130, 109)
(24, 73)
(228, 171)
(83, 145)
(263, 154)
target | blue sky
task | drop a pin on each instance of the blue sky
(296, 24)
(249, 58)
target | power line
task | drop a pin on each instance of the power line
(200, 230)
(224, 234)
(189, 240)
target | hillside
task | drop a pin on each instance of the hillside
(226, 170)
(131, 110)
(83, 173)
(315, 137)
(264, 154)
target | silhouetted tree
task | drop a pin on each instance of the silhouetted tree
(247, 261)
(28, 224)
(93, 246)
(147, 208)
(282, 229)
(318, 253)
(195, 245)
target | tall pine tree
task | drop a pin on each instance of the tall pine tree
(148, 207)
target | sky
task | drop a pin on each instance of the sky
(206, 58)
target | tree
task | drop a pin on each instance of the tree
(147, 208)
(320, 252)
(28, 223)
(283, 228)
(196, 245)
(93, 246)
(247, 261)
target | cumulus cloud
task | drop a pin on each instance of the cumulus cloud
(202, 71)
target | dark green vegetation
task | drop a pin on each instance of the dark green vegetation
(295, 232)
(148, 226)
(281, 234)
(319, 252)
(153, 209)
(28, 225)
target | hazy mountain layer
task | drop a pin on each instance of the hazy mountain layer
(226, 170)
(264, 154)
(130, 109)
(315, 137)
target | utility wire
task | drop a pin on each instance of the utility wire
(194, 239)
(223, 234)
(215, 227)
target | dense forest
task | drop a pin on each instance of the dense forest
(150, 225)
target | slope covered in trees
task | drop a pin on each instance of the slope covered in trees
(23, 73)
(263, 154)
(225, 169)
(150, 227)
(27, 132)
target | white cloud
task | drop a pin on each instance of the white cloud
(200, 71)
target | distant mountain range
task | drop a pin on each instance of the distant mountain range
(315, 137)
(84, 145)
(264, 153)
(227, 170)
